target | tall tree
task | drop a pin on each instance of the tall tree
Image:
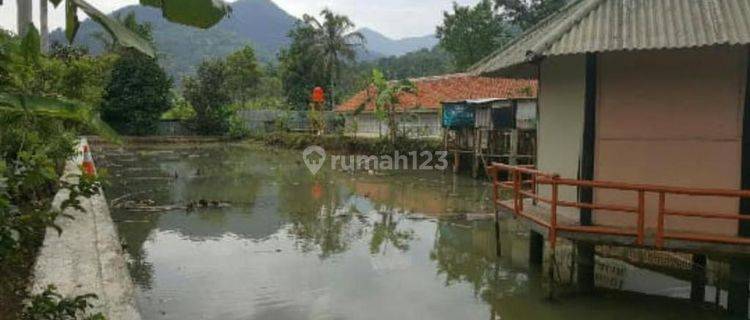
(243, 75)
(299, 67)
(336, 43)
(207, 92)
(527, 13)
(137, 94)
(471, 33)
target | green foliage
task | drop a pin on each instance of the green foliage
(527, 13)
(335, 44)
(318, 54)
(237, 129)
(347, 144)
(386, 99)
(181, 110)
(471, 33)
(63, 88)
(299, 66)
(243, 75)
(207, 92)
(43, 108)
(421, 63)
(137, 95)
(124, 36)
(129, 21)
(198, 13)
(50, 305)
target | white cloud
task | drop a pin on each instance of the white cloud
(394, 18)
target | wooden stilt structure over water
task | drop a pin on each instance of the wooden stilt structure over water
(479, 132)
(650, 135)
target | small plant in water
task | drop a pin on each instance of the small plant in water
(50, 305)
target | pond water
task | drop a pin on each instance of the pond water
(278, 243)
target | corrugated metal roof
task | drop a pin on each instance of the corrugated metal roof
(608, 25)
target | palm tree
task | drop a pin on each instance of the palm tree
(336, 43)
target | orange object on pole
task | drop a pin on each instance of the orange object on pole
(88, 162)
(318, 95)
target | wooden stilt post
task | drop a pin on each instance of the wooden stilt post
(456, 161)
(739, 273)
(739, 269)
(698, 279)
(585, 263)
(536, 249)
(477, 150)
(513, 152)
(586, 251)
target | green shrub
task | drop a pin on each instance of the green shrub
(50, 305)
(137, 95)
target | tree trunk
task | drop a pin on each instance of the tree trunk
(43, 26)
(24, 16)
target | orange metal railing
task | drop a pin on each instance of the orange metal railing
(524, 181)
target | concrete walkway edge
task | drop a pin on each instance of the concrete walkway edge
(87, 257)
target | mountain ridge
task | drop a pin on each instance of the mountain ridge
(260, 23)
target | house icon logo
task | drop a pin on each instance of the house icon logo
(314, 157)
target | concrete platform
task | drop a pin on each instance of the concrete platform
(87, 257)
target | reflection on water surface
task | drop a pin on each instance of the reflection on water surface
(333, 246)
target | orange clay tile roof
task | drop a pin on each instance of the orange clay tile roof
(431, 91)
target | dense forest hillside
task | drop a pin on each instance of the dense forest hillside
(260, 23)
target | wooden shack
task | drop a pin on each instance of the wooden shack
(491, 129)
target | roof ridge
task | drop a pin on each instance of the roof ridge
(570, 21)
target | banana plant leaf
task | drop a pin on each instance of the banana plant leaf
(197, 13)
(59, 109)
(119, 33)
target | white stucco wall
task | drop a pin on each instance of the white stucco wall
(416, 125)
(561, 111)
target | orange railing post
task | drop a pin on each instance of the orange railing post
(553, 217)
(517, 184)
(641, 216)
(519, 191)
(660, 222)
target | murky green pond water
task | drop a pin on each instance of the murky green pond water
(278, 243)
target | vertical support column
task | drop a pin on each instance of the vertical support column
(24, 17)
(585, 260)
(44, 25)
(585, 263)
(513, 152)
(456, 161)
(477, 150)
(739, 269)
(536, 249)
(698, 279)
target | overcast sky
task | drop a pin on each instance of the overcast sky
(394, 18)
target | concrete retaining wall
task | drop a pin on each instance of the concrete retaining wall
(87, 257)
